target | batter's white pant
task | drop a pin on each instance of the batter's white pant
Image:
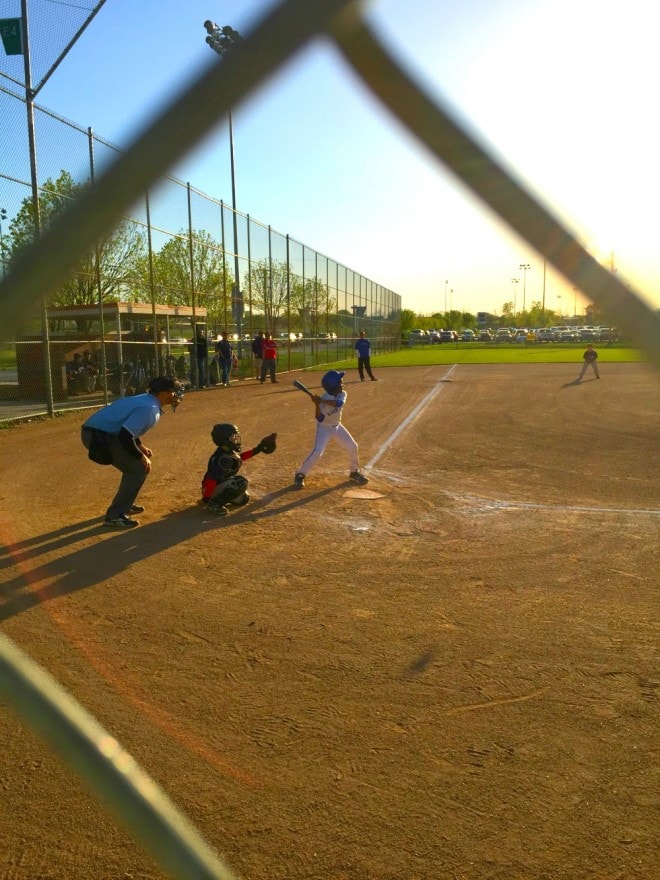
(324, 434)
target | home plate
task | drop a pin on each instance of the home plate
(364, 494)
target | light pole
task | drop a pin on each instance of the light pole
(3, 216)
(222, 40)
(524, 267)
(514, 281)
(446, 283)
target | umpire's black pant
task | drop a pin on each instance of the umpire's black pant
(132, 471)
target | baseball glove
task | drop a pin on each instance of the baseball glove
(268, 445)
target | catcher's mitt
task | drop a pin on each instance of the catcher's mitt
(268, 445)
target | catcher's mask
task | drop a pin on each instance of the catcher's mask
(227, 437)
(332, 381)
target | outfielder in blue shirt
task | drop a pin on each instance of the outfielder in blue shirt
(363, 349)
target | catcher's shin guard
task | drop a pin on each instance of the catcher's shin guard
(231, 491)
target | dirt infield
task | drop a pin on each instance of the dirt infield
(452, 679)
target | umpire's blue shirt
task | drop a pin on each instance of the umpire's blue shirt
(137, 414)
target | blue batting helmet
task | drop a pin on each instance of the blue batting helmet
(332, 381)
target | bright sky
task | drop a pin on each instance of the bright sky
(564, 90)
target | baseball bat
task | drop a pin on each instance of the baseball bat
(299, 385)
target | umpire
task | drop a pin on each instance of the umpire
(112, 436)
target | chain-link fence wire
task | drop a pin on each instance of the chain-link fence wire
(275, 38)
(53, 28)
(175, 246)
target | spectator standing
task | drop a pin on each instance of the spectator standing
(199, 350)
(590, 358)
(258, 352)
(269, 359)
(225, 355)
(91, 370)
(363, 350)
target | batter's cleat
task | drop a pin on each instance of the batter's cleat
(357, 477)
(137, 508)
(121, 522)
(299, 481)
(218, 509)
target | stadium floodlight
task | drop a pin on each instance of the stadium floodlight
(524, 267)
(222, 39)
(514, 281)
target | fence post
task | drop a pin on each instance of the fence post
(97, 272)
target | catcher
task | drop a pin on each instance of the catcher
(222, 484)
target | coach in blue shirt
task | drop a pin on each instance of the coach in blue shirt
(363, 349)
(112, 436)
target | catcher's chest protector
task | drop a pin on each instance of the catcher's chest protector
(224, 465)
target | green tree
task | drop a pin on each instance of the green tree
(173, 280)
(318, 306)
(118, 255)
(537, 316)
(409, 321)
(507, 311)
(268, 290)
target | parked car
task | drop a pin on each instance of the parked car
(568, 336)
(503, 335)
(485, 336)
(532, 336)
(521, 336)
(588, 334)
(546, 334)
(467, 335)
(608, 334)
(448, 336)
(418, 336)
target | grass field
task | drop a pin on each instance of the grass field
(480, 353)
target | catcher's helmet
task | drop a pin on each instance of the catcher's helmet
(227, 437)
(332, 381)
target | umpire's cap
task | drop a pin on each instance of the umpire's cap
(163, 383)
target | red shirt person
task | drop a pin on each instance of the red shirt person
(269, 359)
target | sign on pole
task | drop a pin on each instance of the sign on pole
(12, 40)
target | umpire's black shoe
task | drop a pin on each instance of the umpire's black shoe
(121, 522)
(357, 477)
(299, 481)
